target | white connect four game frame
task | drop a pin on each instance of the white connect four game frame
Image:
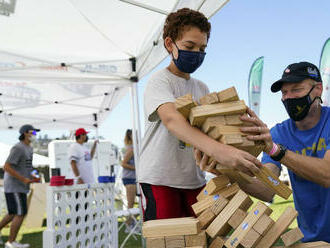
(81, 216)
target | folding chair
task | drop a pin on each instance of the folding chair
(130, 213)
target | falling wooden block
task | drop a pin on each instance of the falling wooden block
(214, 185)
(200, 206)
(218, 205)
(227, 192)
(263, 224)
(234, 175)
(206, 218)
(237, 236)
(184, 104)
(209, 99)
(155, 242)
(212, 122)
(251, 239)
(218, 242)
(237, 218)
(231, 139)
(292, 236)
(174, 241)
(170, 227)
(271, 180)
(317, 244)
(195, 240)
(278, 228)
(220, 130)
(219, 225)
(199, 114)
(228, 95)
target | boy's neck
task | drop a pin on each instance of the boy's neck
(173, 69)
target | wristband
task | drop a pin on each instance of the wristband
(273, 150)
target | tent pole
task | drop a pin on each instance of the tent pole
(136, 141)
(97, 148)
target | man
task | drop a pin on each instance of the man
(302, 144)
(81, 158)
(18, 169)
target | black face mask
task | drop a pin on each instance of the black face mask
(298, 108)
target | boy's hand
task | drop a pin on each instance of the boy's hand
(202, 162)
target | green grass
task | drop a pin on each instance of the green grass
(34, 236)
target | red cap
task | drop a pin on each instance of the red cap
(81, 131)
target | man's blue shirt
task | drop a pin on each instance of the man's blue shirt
(312, 201)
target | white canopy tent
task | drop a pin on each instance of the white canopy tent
(67, 63)
(38, 160)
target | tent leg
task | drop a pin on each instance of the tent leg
(136, 140)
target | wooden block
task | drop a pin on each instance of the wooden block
(212, 122)
(220, 130)
(199, 114)
(200, 206)
(220, 224)
(155, 242)
(234, 175)
(218, 242)
(214, 185)
(292, 236)
(251, 239)
(237, 236)
(184, 104)
(245, 144)
(271, 180)
(263, 224)
(233, 120)
(228, 95)
(174, 241)
(209, 99)
(237, 218)
(227, 192)
(218, 205)
(278, 228)
(317, 244)
(206, 218)
(170, 227)
(231, 139)
(195, 240)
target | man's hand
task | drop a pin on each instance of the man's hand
(27, 181)
(80, 181)
(258, 127)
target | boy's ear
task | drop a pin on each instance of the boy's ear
(168, 44)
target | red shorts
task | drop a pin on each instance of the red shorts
(164, 202)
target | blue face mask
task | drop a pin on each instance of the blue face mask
(188, 61)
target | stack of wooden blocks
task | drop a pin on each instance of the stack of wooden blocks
(223, 216)
(222, 207)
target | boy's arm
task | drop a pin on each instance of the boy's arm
(7, 167)
(224, 154)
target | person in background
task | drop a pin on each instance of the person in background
(128, 176)
(18, 177)
(81, 158)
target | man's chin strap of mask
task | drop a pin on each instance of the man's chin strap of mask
(298, 108)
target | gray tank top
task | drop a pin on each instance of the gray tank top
(129, 173)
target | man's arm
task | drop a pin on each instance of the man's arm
(224, 154)
(14, 173)
(76, 171)
(128, 155)
(314, 169)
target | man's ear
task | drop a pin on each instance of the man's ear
(319, 87)
(168, 44)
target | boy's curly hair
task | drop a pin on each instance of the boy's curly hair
(177, 21)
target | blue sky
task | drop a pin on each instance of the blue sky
(283, 31)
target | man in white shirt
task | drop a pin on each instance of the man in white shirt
(81, 158)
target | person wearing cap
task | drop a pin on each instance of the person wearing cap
(302, 144)
(18, 177)
(81, 158)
